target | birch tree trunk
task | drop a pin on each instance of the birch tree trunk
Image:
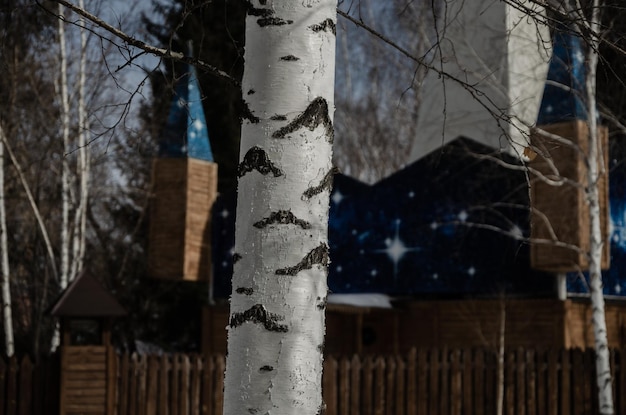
(276, 328)
(7, 314)
(603, 368)
(80, 215)
(65, 170)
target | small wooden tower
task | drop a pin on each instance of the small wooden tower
(86, 310)
(561, 141)
(184, 187)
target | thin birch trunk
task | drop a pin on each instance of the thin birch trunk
(33, 206)
(65, 170)
(80, 215)
(7, 313)
(594, 161)
(276, 328)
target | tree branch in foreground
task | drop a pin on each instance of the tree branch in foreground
(160, 52)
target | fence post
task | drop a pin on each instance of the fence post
(355, 390)
(400, 377)
(434, 391)
(344, 386)
(12, 386)
(531, 379)
(329, 385)
(25, 386)
(521, 382)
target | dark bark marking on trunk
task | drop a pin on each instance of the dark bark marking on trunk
(315, 114)
(320, 348)
(236, 257)
(251, 92)
(266, 15)
(278, 118)
(257, 159)
(254, 11)
(322, 303)
(273, 21)
(326, 25)
(325, 184)
(246, 114)
(289, 58)
(317, 255)
(282, 217)
(322, 409)
(257, 314)
(244, 290)
(266, 368)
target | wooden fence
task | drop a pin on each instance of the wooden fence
(27, 388)
(421, 382)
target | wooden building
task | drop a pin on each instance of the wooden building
(86, 310)
(462, 323)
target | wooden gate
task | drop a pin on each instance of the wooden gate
(87, 380)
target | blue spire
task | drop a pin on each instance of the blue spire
(564, 93)
(185, 133)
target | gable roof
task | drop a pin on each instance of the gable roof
(86, 297)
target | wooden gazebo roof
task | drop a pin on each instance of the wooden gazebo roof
(86, 297)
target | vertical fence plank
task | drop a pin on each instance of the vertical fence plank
(151, 387)
(468, 393)
(509, 383)
(520, 372)
(183, 394)
(344, 386)
(12, 386)
(577, 382)
(542, 383)
(196, 368)
(491, 368)
(411, 383)
(379, 389)
(553, 382)
(3, 383)
(422, 382)
(479, 383)
(390, 372)
(38, 387)
(433, 394)
(566, 390)
(368, 386)
(355, 391)
(133, 383)
(208, 387)
(174, 385)
(590, 389)
(122, 389)
(25, 384)
(400, 377)
(456, 394)
(164, 392)
(329, 385)
(142, 388)
(444, 381)
(622, 377)
(531, 385)
(220, 366)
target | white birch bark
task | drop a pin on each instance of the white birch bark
(594, 161)
(65, 170)
(80, 215)
(7, 314)
(276, 328)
